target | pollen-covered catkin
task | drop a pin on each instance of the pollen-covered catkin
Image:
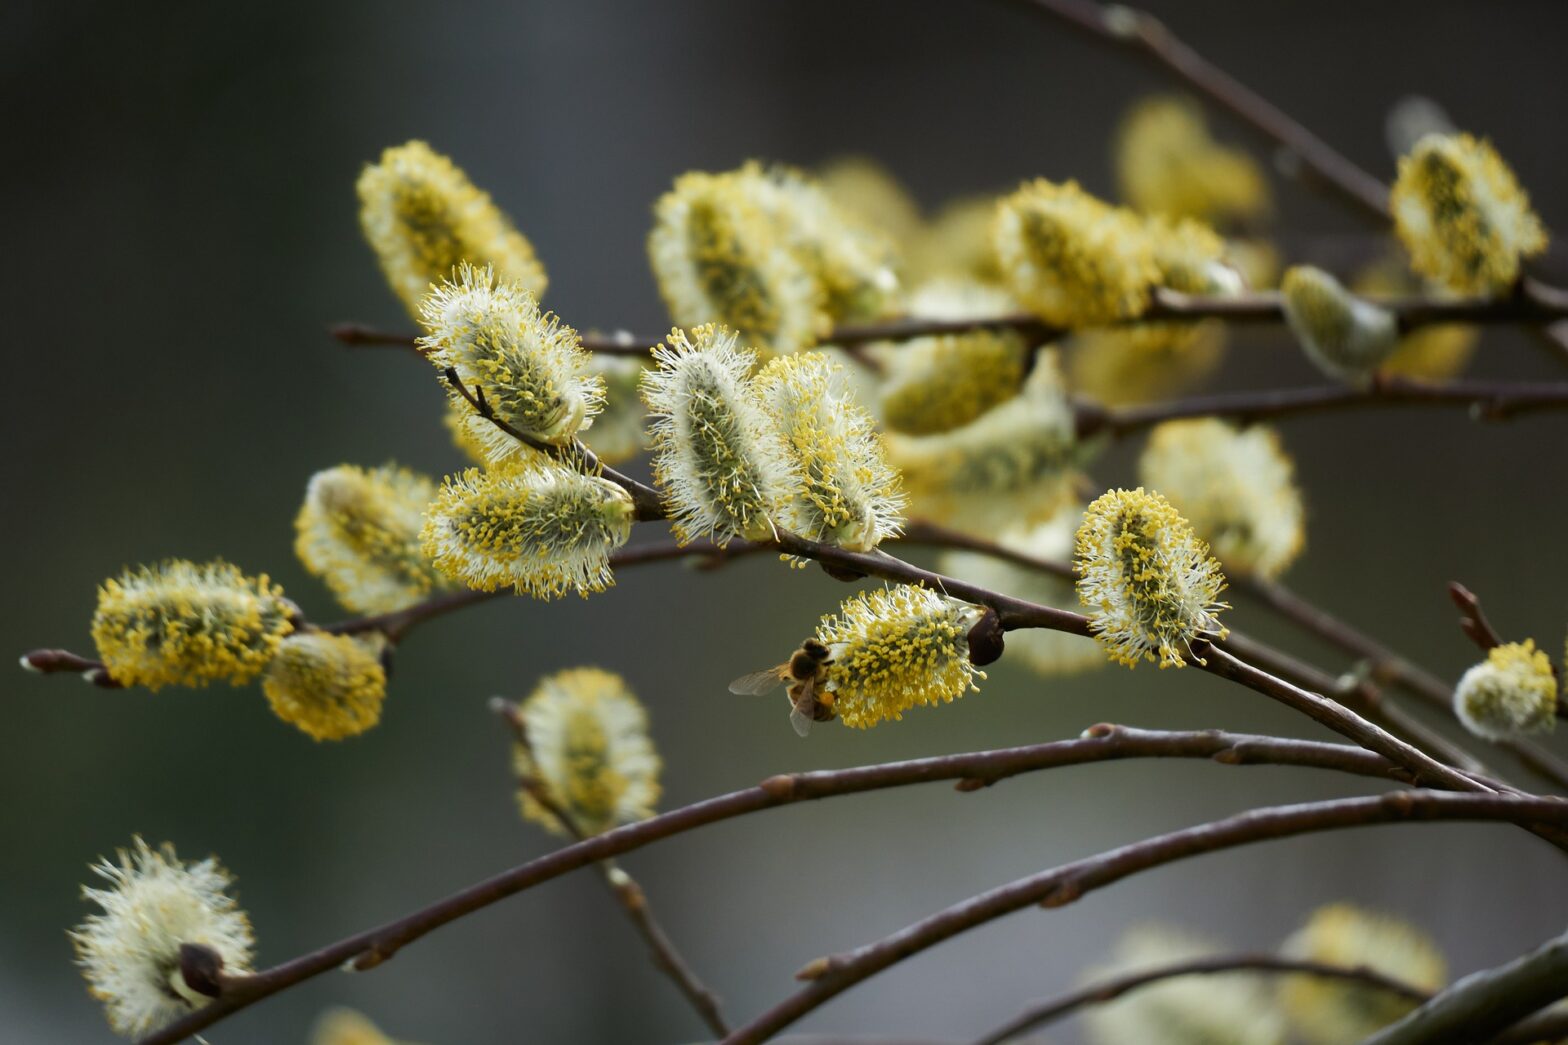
(530, 368)
(1462, 216)
(1015, 464)
(1148, 583)
(620, 432)
(1236, 488)
(346, 1027)
(894, 649)
(1167, 163)
(588, 749)
(717, 455)
(1071, 259)
(327, 686)
(718, 258)
(129, 951)
(1431, 351)
(358, 530)
(847, 494)
(1343, 335)
(1235, 1009)
(423, 218)
(183, 624)
(1510, 693)
(1324, 1011)
(541, 530)
(852, 264)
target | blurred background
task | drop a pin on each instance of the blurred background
(182, 225)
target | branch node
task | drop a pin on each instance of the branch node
(1062, 894)
(780, 787)
(815, 969)
(1472, 621)
(972, 783)
(986, 639)
(201, 968)
(1100, 731)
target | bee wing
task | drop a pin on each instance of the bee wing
(757, 683)
(800, 718)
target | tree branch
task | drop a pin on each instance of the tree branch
(832, 975)
(1484, 1003)
(973, 770)
(1109, 990)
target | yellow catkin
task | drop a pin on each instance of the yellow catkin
(1167, 163)
(1343, 335)
(347, 1027)
(894, 649)
(1462, 216)
(935, 384)
(1326, 1011)
(1432, 352)
(718, 258)
(956, 243)
(1148, 583)
(588, 749)
(1510, 693)
(1236, 487)
(423, 217)
(358, 530)
(183, 624)
(1073, 260)
(847, 494)
(863, 187)
(327, 686)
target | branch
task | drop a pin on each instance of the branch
(626, 891)
(1486, 1002)
(832, 975)
(1149, 39)
(1100, 743)
(1109, 990)
(1471, 620)
(1384, 664)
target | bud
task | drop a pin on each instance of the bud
(588, 749)
(718, 259)
(1432, 351)
(1046, 651)
(183, 624)
(1167, 163)
(531, 368)
(1344, 336)
(358, 530)
(1462, 216)
(1235, 1009)
(1073, 260)
(1015, 464)
(1236, 488)
(897, 648)
(852, 264)
(1148, 584)
(717, 456)
(847, 494)
(327, 686)
(1326, 1011)
(129, 953)
(423, 218)
(1510, 693)
(542, 530)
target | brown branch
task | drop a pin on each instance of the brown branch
(1146, 37)
(1101, 743)
(1472, 621)
(627, 892)
(1385, 665)
(1109, 990)
(1485, 400)
(832, 975)
(1532, 304)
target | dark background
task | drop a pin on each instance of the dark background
(180, 227)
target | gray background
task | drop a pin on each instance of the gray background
(180, 227)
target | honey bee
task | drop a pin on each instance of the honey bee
(805, 672)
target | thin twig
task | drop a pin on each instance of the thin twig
(1045, 1012)
(626, 890)
(1472, 621)
(832, 975)
(973, 770)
